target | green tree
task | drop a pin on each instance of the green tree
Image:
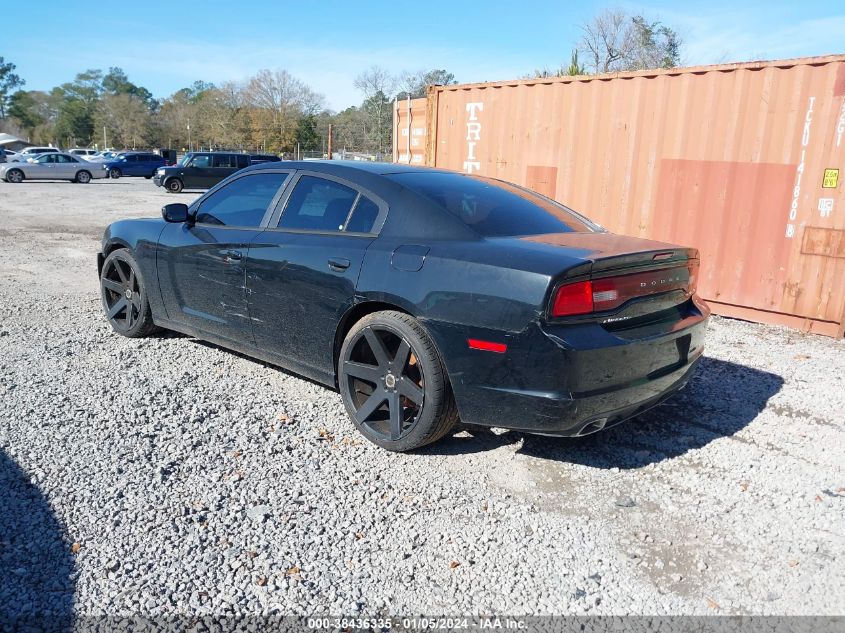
(306, 133)
(77, 107)
(75, 123)
(117, 83)
(416, 84)
(9, 81)
(575, 68)
(24, 109)
(615, 41)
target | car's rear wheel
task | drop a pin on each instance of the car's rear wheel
(394, 384)
(124, 296)
(115, 173)
(14, 175)
(174, 185)
(83, 177)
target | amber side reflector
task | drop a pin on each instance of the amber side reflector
(487, 346)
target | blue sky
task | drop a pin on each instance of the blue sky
(165, 46)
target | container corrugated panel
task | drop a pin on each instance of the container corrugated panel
(737, 160)
(409, 131)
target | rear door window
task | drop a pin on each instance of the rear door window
(224, 161)
(243, 161)
(318, 204)
(363, 217)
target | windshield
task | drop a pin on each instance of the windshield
(494, 208)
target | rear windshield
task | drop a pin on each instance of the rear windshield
(494, 208)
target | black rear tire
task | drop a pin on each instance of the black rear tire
(14, 176)
(394, 384)
(174, 185)
(124, 295)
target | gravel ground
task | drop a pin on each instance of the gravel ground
(168, 476)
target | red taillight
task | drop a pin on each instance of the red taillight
(608, 293)
(574, 298)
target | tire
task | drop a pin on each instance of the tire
(15, 176)
(174, 185)
(393, 384)
(83, 177)
(124, 296)
(115, 173)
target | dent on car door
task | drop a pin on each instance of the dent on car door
(301, 273)
(201, 264)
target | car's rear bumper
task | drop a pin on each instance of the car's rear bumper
(573, 380)
(158, 180)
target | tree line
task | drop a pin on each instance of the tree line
(274, 111)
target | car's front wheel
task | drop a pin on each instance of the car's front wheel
(124, 296)
(115, 173)
(83, 177)
(174, 185)
(394, 384)
(14, 175)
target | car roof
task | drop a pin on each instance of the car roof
(412, 215)
(349, 167)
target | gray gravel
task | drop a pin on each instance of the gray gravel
(166, 476)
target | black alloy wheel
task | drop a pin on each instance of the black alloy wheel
(174, 185)
(124, 296)
(393, 383)
(114, 172)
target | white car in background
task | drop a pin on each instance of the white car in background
(32, 152)
(51, 166)
(99, 157)
(81, 152)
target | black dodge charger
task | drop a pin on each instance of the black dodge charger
(425, 296)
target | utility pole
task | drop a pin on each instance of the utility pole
(330, 141)
(105, 140)
(190, 147)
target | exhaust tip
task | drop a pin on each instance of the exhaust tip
(593, 426)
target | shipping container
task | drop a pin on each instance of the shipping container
(743, 161)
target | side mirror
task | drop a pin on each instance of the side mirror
(175, 212)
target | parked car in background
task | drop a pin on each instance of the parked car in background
(200, 170)
(82, 152)
(132, 164)
(421, 294)
(51, 166)
(31, 152)
(103, 156)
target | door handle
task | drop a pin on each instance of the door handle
(232, 255)
(338, 264)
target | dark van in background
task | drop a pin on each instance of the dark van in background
(203, 170)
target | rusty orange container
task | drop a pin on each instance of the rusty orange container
(743, 161)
